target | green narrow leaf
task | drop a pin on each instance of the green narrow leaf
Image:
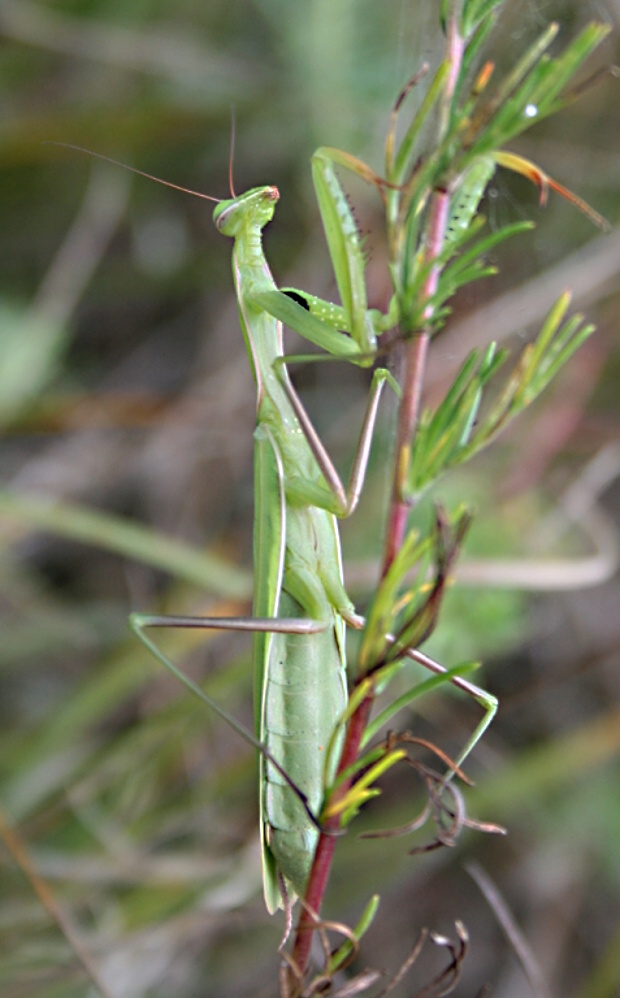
(489, 242)
(562, 357)
(526, 64)
(511, 119)
(566, 64)
(421, 689)
(550, 326)
(344, 952)
(474, 11)
(475, 43)
(407, 145)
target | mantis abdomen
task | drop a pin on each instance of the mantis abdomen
(301, 678)
(305, 696)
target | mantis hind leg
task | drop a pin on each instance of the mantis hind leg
(483, 698)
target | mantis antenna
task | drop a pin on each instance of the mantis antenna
(133, 169)
(231, 155)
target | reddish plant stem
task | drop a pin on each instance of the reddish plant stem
(321, 865)
(416, 347)
(415, 356)
(454, 53)
(416, 351)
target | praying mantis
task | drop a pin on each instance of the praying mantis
(301, 608)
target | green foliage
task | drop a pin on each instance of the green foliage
(432, 195)
(455, 431)
(472, 127)
(474, 13)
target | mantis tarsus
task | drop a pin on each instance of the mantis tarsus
(301, 607)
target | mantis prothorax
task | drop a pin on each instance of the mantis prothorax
(300, 607)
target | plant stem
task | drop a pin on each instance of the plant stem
(415, 357)
(415, 354)
(323, 856)
(416, 347)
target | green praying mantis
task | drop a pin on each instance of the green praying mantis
(301, 608)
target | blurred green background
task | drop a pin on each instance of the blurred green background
(125, 394)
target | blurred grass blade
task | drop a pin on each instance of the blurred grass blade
(131, 540)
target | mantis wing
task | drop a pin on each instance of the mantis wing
(269, 545)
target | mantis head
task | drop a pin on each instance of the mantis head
(254, 208)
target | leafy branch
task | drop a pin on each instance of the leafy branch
(432, 191)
